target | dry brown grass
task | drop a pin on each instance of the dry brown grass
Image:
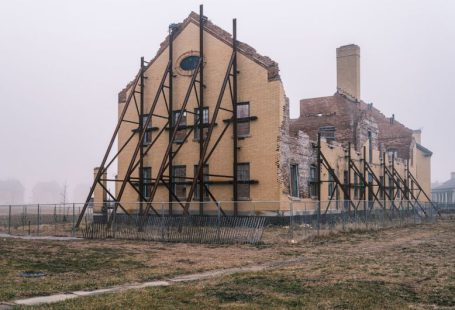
(412, 266)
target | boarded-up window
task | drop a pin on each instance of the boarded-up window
(179, 178)
(294, 180)
(181, 128)
(147, 180)
(206, 179)
(205, 121)
(243, 181)
(243, 119)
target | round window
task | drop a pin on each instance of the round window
(189, 63)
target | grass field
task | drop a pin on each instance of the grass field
(408, 267)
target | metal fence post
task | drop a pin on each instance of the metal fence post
(9, 220)
(38, 222)
(162, 222)
(73, 230)
(318, 215)
(218, 212)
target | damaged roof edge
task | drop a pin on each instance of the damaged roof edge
(224, 36)
(424, 150)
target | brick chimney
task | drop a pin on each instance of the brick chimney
(348, 70)
(417, 134)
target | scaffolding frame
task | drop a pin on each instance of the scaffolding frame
(369, 180)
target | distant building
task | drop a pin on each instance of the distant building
(445, 192)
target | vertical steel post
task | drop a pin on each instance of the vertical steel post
(393, 180)
(349, 178)
(234, 110)
(140, 130)
(201, 108)
(170, 114)
(384, 197)
(367, 184)
(319, 181)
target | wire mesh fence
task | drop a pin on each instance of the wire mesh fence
(214, 222)
(42, 219)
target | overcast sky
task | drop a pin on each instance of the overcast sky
(62, 64)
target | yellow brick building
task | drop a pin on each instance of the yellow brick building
(250, 149)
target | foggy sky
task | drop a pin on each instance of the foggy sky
(62, 64)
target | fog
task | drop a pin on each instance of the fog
(62, 64)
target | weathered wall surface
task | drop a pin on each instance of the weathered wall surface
(294, 149)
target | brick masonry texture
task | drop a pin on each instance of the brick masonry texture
(352, 120)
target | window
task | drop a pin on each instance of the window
(243, 180)
(147, 180)
(356, 187)
(189, 63)
(328, 132)
(313, 181)
(346, 184)
(206, 179)
(370, 187)
(148, 131)
(179, 181)
(243, 119)
(181, 129)
(294, 180)
(205, 121)
(392, 153)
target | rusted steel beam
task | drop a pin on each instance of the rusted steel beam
(106, 154)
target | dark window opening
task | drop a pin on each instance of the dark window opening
(179, 179)
(328, 132)
(181, 129)
(356, 187)
(189, 63)
(392, 153)
(243, 181)
(206, 179)
(313, 181)
(294, 180)
(205, 121)
(346, 185)
(147, 180)
(148, 133)
(243, 119)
